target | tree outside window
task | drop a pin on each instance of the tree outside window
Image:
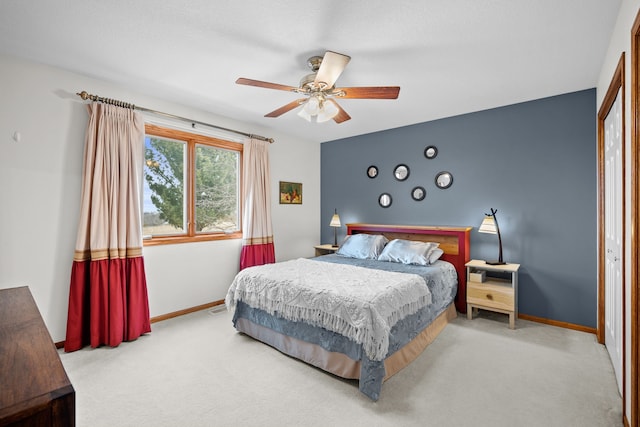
(191, 188)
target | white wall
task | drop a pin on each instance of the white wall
(40, 191)
(621, 42)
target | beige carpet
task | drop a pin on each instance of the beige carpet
(195, 370)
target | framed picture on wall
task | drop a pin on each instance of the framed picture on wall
(290, 193)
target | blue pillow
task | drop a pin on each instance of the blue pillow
(408, 252)
(362, 246)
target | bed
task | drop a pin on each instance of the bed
(358, 317)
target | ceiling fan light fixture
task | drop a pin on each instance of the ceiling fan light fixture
(327, 112)
(312, 106)
(303, 113)
(317, 109)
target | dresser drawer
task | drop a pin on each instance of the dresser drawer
(490, 295)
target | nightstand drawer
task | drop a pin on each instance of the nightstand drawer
(489, 295)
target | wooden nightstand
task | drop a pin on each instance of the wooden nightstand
(497, 292)
(325, 249)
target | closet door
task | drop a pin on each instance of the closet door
(613, 171)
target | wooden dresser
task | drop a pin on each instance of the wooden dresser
(34, 387)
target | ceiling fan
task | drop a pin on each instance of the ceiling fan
(320, 91)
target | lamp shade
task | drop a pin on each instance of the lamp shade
(488, 225)
(327, 111)
(335, 221)
(312, 106)
(303, 113)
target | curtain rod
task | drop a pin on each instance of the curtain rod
(84, 95)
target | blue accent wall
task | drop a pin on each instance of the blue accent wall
(534, 162)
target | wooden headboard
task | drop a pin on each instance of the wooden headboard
(454, 241)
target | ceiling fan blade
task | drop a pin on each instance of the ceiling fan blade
(286, 108)
(373, 92)
(332, 66)
(267, 85)
(342, 115)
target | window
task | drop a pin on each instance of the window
(191, 187)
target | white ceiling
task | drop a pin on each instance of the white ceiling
(449, 56)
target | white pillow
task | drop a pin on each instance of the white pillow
(408, 252)
(435, 255)
(362, 246)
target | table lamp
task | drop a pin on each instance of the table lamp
(335, 223)
(490, 225)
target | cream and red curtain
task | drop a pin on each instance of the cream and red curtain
(257, 233)
(108, 300)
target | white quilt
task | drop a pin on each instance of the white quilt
(360, 303)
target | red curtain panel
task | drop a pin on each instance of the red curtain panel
(257, 232)
(108, 301)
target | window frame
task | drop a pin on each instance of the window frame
(191, 139)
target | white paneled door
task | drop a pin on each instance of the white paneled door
(613, 235)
